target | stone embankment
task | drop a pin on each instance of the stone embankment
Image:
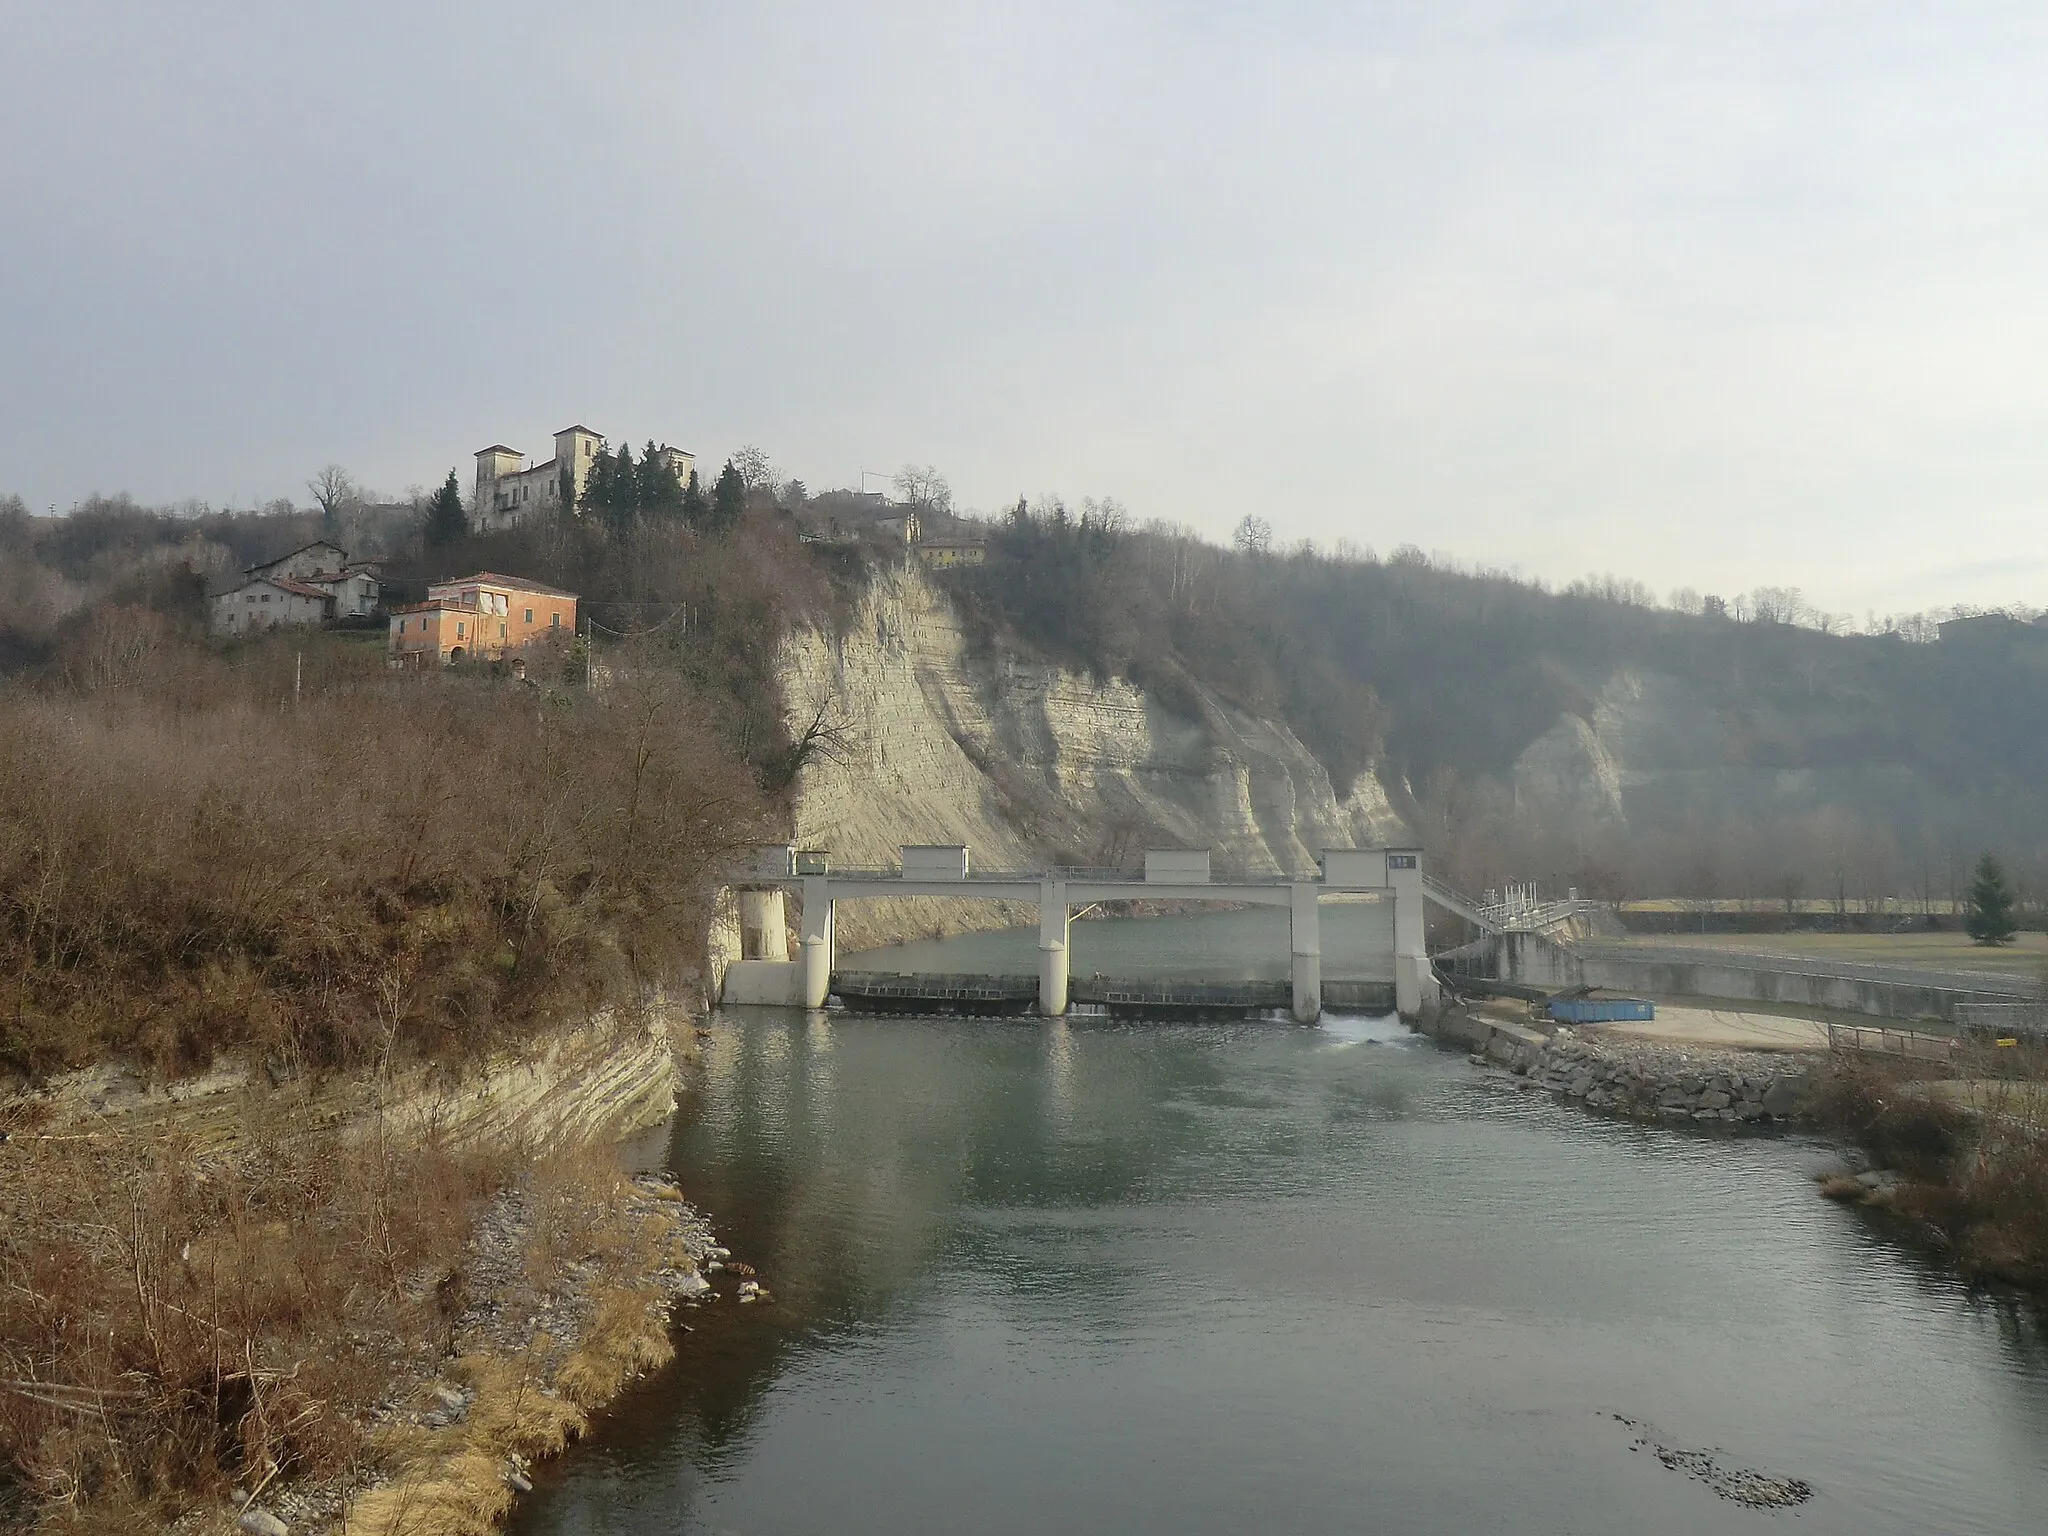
(1637, 1079)
(1643, 1081)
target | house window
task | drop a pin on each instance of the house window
(529, 615)
(266, 597)
(401, 626)
(554, 621)
(458, 631)
(501, 631)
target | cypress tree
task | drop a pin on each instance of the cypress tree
(659, 492)
(447, 523)
(623, 503)
(597, 485)
(1988, 913)
(696, 511)
(728, 498)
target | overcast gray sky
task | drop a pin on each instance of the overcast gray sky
(1716, 294)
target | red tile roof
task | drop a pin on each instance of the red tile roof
(493, 579)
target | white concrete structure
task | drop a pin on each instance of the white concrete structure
(935, 861)
(1177, 866)
(1170, 874)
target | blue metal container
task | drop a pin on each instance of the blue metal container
(1600, 1010)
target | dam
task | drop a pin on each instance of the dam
(1397, 976)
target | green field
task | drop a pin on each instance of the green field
(2027, 954)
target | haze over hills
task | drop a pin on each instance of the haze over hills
(1578, 737)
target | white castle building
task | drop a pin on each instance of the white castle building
(508, 491)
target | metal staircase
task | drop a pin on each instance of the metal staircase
(1516, 911)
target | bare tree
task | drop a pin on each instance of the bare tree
(923, 488)
(1253, 535)
(825, 737)
(337, 492)
(1779, 605)
(755, 469)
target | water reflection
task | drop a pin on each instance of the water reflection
(1142, 1278)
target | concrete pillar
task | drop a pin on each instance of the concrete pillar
(1052, 948)
(1305, 945)
(764, 926)
(1415, 989)
(816, 937)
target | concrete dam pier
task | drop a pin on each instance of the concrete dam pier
(767, 975)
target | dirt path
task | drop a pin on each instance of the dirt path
(1722, 1028)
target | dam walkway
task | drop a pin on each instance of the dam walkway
(767, 974)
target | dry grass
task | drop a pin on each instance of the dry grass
(170, 1324)
(529, 1404)
(1939, 951)
(1975, 1175)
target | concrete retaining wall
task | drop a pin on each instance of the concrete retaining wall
(1532, 960)
(1514, 1046)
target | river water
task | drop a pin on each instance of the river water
(1091, 1276)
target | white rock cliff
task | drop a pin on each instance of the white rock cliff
(1025, 762)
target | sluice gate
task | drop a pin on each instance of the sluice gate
(908, 992)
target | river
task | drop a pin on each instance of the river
(1093, 1276)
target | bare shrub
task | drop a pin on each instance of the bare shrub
(170, 1323)
(393, 866)
(1976, 1172)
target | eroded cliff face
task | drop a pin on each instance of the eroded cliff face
(1658, 757)
(1026, 762)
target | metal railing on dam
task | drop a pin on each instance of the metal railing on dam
(766, 975)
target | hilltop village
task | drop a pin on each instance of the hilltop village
(494, 616)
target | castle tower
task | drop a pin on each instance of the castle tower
(575, 448)
(493, 464)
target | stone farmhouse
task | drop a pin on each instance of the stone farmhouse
(508, 491)
(480, 617)
(314, 584)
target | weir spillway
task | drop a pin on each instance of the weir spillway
(767, 974)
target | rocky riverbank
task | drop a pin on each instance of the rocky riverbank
(1637, 1079)
(1641, 1080)
(293, 1306)
(574, 1288)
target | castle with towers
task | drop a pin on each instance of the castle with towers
(508, 491)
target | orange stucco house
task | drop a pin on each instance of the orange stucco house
(480, 617)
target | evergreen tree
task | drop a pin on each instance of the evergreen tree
(728, 498)
(597, 485)
(1988, 913)
(660, 494)
(447, 523)
(696, 511)
(622, 503)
